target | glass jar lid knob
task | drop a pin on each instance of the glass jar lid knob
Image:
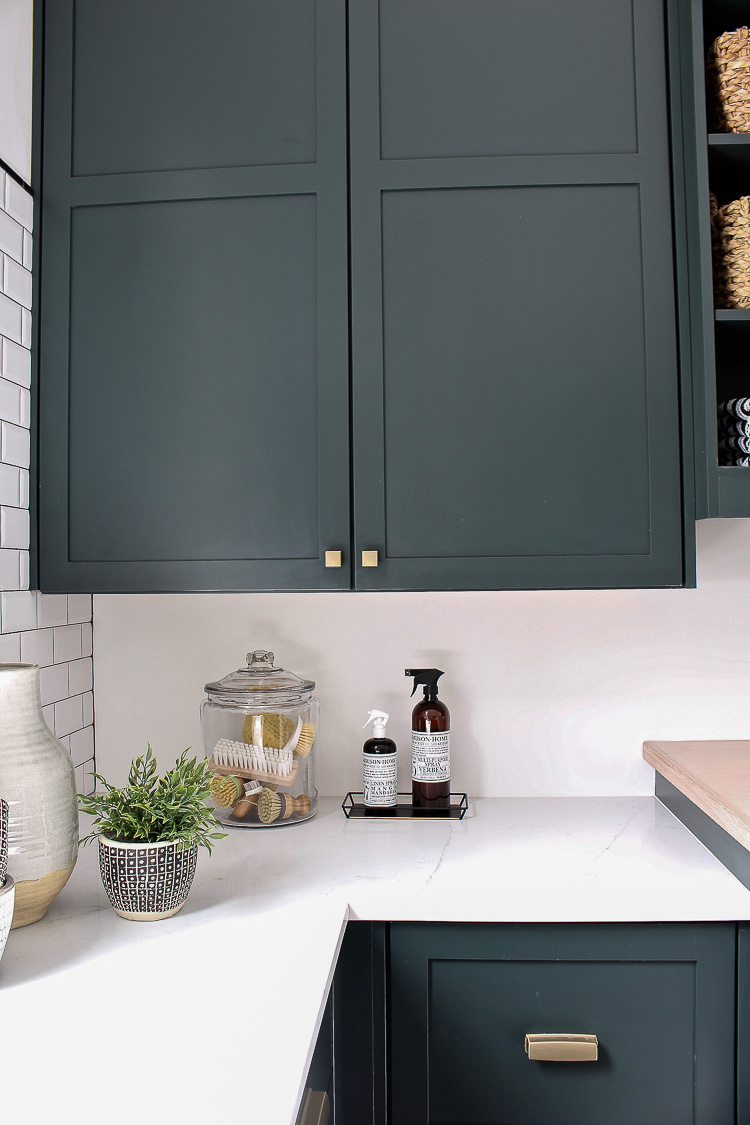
(260, 661)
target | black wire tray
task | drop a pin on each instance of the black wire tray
(355, 809)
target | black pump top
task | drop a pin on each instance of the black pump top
(427, 677)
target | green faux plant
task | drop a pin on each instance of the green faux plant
(152, 809)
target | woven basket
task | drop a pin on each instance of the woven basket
(730, 243)
(728, 82)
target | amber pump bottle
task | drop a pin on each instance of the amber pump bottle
(430, 743)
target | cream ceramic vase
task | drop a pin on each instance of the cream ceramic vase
(38, 782)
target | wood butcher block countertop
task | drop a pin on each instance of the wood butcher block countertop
(714, 775)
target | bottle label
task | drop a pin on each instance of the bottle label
(431, 756)
(379, 779)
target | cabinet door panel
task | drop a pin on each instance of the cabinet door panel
(659, 998)
(494, 79)
(209, 385)
(515, 384)
(194, 288)
(159, 87)
(466, 358)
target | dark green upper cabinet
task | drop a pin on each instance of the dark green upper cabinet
(194, 340)
(502, 268)
(515, 384)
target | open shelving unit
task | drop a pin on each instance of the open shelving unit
(718, 163)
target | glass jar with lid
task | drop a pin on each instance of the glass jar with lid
(260, 728)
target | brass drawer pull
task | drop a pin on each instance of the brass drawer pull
(333, 558)
(369, 558)
(562, 1047)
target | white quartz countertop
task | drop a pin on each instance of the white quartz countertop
(214, 1013)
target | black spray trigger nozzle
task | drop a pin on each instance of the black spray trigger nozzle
(427, 678)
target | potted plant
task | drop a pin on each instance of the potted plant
(149, 833)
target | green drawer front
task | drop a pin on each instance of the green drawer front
(659, 998)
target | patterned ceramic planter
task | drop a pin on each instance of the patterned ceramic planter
(7, 902)
(38, 782)
(145, 882)
(3, 840)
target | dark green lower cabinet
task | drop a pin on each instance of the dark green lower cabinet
(430, 1022)
(660, 999)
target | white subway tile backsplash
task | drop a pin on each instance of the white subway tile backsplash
(16, 282)
(53, 683)
(82, 745)
(80, 772)
(15, 363)
(17, 611)
(87, 771)
(23, 486)
(10, 485)
(36, 647)
(79, 608)
(19, 203)
(10, 319)
(52, 609)
(48, 714)
(10, 402)
(15, 445)
(68, 715)
(24, 570)
(10, 570)
(87, 639)
(14, 528)
(64, 740)
(11, 236)
(67, 643)
(25, 408)
(25, 327)
(28, 249)
(10, 648)
(88, 709)
(80, 676)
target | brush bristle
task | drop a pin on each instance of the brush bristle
(225, 790)
(277, 729)
(269, 807)
(241, 755)
(305, 740)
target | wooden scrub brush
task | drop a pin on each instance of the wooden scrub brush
(252, 790)
(280, 806)
(226, 791)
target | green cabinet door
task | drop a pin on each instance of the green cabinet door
(515, 383)
(660, 999)
(193, 336)
(504, 259)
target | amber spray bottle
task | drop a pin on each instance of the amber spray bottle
(430, 743)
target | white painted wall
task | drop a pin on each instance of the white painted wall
(550, 692)
(15, 85)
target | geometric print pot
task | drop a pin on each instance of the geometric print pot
(145, 882)
(4, 816)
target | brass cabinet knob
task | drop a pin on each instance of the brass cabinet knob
(369, 558)
(333, 558)
(562, 1046)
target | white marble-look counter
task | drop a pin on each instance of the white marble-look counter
(214, 1013)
